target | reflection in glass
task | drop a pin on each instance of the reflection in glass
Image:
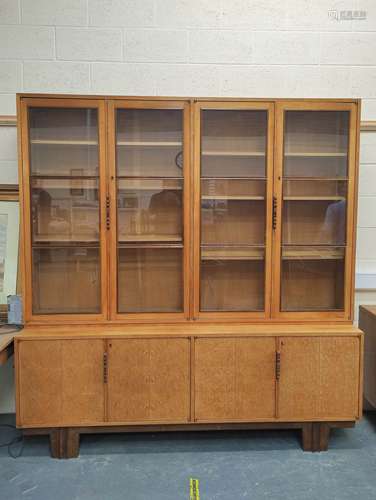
(150, 209)
(149, 165)
(63, 142)
(74, 274)
(149, 142)
(65, 208)
(314, 210)
(150, 279)
(233, 192)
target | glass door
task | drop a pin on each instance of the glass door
(233, 161)
(315, 184)
(64, 189)
(149, 195)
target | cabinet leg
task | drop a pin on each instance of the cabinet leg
(64, 443)
(315, 436)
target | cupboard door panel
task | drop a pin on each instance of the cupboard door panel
(314, 192)
(233, 204)
(148, 380)
(234, 379)
(61, 382)
(319, 378)
(149, 206)
(64, 196)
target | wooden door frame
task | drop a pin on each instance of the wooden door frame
(23, 105)
(184, 106)
(353, 158)
(236, 316)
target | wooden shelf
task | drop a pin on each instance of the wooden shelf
(314, 198)
(148, 178)
(323, 154)
(150, 184)
(232, 197)
(313, 254)
(64, 142)
(254, 178)
(149, 238)
(234, 153)
(161, 246)
(309, 179)
(43, 241)
(86, 184)
(150, 144)
(255, 253)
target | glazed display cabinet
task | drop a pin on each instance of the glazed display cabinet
(187, 264)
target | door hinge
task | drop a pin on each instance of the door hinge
(105, 368)
(107, 212)
(277, 365)
(274, 217)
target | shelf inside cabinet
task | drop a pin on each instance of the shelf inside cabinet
(239, 178)
(322, 154)
(69, 245)
(313, 254)
(233, 153)
(145, 184)
(319, 179)
(156, 245)
(236, 253)
(232, 197)
(150, 144)
(314, 198)
(64, 142)
(150, 238)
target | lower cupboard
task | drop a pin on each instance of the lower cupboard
(97, 381)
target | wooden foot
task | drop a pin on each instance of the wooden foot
(64, 443)
(315, 436)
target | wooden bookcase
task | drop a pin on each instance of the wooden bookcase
(187, 264)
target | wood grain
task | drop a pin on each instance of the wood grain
(61, 382)
(148, 380)
(319, 378)
(234, 379)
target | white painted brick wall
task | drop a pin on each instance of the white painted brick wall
(146, 45)
(276, 48)
(83, 44)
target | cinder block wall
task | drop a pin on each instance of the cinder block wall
(269, 48)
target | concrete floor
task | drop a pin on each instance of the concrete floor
(229, 465)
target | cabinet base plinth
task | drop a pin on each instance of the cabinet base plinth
(65, 441)
(315, 436)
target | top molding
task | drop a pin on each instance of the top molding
(184, 98)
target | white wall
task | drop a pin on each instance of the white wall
(269, 48)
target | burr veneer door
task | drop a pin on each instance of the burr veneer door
(148, 380)
(60, 382)
(234, 379)
(319, 378)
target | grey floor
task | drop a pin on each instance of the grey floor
(229, 466)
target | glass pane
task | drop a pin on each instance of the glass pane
(314, 210)
(312, 278)
(63, 141)
(150, 279)
(150, 210)
(66, 280)
(149, 142)
(149, 153)
(233, 210)
(65, 208)
(316, 144)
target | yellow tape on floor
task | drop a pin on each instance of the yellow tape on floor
(194, 489)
